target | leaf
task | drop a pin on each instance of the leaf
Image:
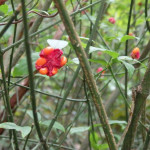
(9, 125)
(4, 8)
(126, 58)
(100, 61)
(111, 122)
(103, 146)
(57, 43)
(93, 49)
(127, 37)
(129, 67)
(79, 129)
(76, 60)
(94, 138)
(56, 125)
(30, 113)
(21, 68)
(117, 122)
(113, 54)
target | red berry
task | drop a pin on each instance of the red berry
(63, 61)
(47, 50)
(40, 61)
(43, 71)
(54, 71)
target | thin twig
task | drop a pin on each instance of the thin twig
(126, 54)
(10, 115)
(19, 21)
(31, 79)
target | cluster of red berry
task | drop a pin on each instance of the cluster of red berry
(50, 61)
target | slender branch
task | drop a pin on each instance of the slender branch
(44, 16)
(10, 21)
(24, 85)
(31, 79)
(76, 43)
(125, 99)
(126, 53)
(129, 122)
(49, 26)
(24, 147)
(62, 102)
(146, 15)
(10, 115)
(11, 56)
(35, 142)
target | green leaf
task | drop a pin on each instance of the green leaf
(113, 54)
(100, 61)
(9, 125)
(129, 67)
(79, 129)
(111, 122)
(103, 146)
(30, 113)
(127, 37)
(4, 8)
(93, 49)
(56, 125)
(57, 43)
(21, 68)
(94, 138)
(117, 122)
(126, 58)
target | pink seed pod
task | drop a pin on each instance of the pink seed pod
(50, 61)
(99, 70)
(135, 54)
(112, 20)
(99, 53)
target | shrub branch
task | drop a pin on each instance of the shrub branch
(76, 43)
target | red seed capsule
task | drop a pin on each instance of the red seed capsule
(47, 50)
(40, 61)
(54, 71)
(135, 54)
(43, 71)
(63, 61)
